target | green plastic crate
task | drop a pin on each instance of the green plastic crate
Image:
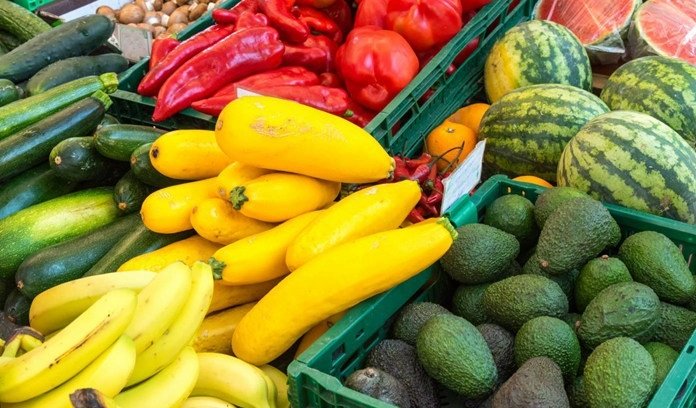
(316, 376)
(32, 5)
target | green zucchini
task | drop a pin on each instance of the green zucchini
(8, 92)
(17, 307)
(51, 222)
(73, 68)
(130, 192)
(27, 111)
(20, 22)
(3, 50)
(76, 159)
(34, 143)
(9, 41)
(34, 186)
(108, 120)
(70, 260)
(118, 142)
(70, 39)
(144, 170)
(138, 241)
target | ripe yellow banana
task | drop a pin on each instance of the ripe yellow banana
(215, 333)
(280, 380)
(54, 308)
(71, 350)
(206, 402)
(234, 381)
(165, 349)
(91, 398)
(108, 373)
(167, 389)
(159, 304)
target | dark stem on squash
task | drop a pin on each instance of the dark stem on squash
(237, 197)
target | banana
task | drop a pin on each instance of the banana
(164, 350)
(168, 388)
(54, 308)
(108, 373)
(234, 381)
(91, 398)
(158, 304)
(71, 350)
(280, 380)
(206, 402)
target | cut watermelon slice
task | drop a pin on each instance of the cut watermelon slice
(665, 27)
(600, 25)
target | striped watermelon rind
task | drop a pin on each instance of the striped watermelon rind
(536, 52)
(662, 87)
(527, 129)
(634, 160)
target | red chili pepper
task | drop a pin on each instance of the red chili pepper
(429, 182)
(160, 48)
(400, 170)
(290, 27)
(416, 216)
(320, 4)
(341, 12)
(157, 76)
(248, 19)
(358, 114)
(319, 23)
(330, 79)
(438, 185)
(275, 77)
(421, 173)
(316, 54)
(430, 209)
(423, 200)
(242, 53)
(424, 158)
(434, 198)
(224, 16)
(371, 13)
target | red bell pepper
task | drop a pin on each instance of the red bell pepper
(371, 13)
(473, 5)
(160, 48)
(358, 114)
(427, 56)
(341, 12)
(244, 52)
(316, 54)
(224, 16)
(376, 65)
(153, 80)
(330, 79)
(247, 19)
(274, 77)
(319, 4)
(290, 27)
(425, 23)
(319, 23)
(466, 52)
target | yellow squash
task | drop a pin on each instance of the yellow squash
(216, 220)
(277, 197)
(260, 257)
(215, 333)
(284, 135)
(317, 331)
(188, 155)
(235, 175)
(187, 250)
(225, 296)
(168, 210)
(374, 209)
(334, 281)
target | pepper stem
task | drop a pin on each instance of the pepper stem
(217, 267)
(445, 222)
(237, 197)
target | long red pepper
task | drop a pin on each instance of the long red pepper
(224, 16)
(248, 19)
(160, 48)
(278, 12)
(319, 23)
(154, 79)
(275, 77)
(330, 79)
(316, 54)
(341, 12)
(358, 114)
(244, 52)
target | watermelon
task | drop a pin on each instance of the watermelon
(665, 27)
(527, 129)
(600, 25)
(664, 88)
(536, 52)
(634, 160)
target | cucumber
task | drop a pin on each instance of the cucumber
(76, 159)
(144, 170)
(118, 142)
(20, 22)
(70, 39)
(17, 307)
(9, 41)
(70, 260)
(34, 186)
(33, 144)
(51, 222)
(27, 111)
(73, 68)
(138, 241)
(8, 92)
(130, 192)
(108, 120)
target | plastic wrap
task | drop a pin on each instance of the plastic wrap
(601, 25)
(665, 27)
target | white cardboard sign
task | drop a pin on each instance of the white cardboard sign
(464, 178)
(241, 92)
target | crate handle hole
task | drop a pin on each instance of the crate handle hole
(690, 349)
(359, 334)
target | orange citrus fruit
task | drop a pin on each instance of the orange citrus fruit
(534, 180)
(451, 142)
(470, 116)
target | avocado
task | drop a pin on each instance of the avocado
(619, 373)
(626, 309)
(675, 326)
(566, 281)
(502, 346)
(551, 199)
(480, 254)
(456, 355)
(467, 302)
(380, 385)
(596, 275)
(399, 359)
(537, 383)
(513, 301)
(654, 260)
(576, 393)
(412, 317)
(664, 358)
(513, 214)
(550, 337)
(575, 233)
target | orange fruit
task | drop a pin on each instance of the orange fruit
(470, 116)
(534, 180)
(451, 142)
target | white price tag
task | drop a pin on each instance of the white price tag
(241, 92)
(464, 178)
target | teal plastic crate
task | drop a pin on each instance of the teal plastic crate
(32, 5)
(316, 376)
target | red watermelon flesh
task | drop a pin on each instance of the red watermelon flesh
(666, 27)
